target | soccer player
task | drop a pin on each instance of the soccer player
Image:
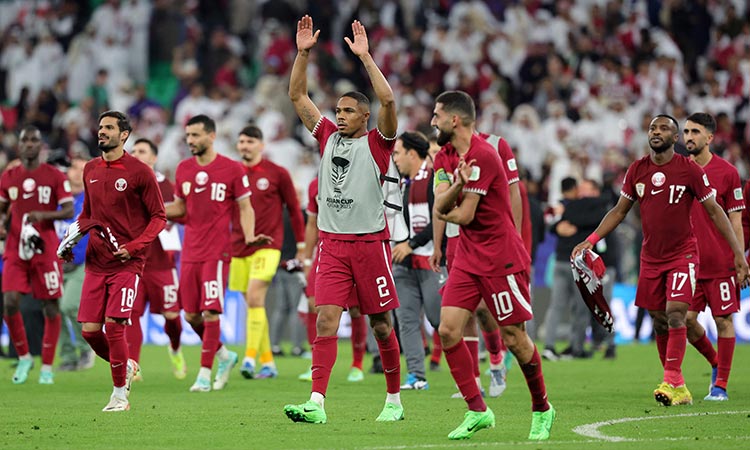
(716, 286)
(665, 184)
(159, 284)
(448, 161)
(417, 285)
(254, 266)
(478, 201)
(310, 266)
(122, 194)
(31, 193)
(208, 186)
(354, 251)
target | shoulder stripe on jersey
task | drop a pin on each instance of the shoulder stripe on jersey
(711, 194)
(627, 196)
(317, 125)
(244, 196)
(387, 138)
(476, 191)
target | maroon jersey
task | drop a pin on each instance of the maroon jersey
(717, 259)
(272, 189)
(123, 195)
(381, 149)
(666, 195)
(156, 257)
(210, 193)
(312, 197)
(491, 237)
(41, 189)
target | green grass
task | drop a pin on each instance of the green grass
(248, 413)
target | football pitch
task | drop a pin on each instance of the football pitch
(600, 404)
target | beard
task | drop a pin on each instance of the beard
(107, 146)
(695, 151)
(660, 148)
(198, 150)
(443, 137)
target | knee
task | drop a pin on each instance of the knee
(326, 325)
(255, 300)
(450, 334)
(171, 315)
(193, 318)
(724, 326)
(675, 320)
(51, 309)
(381, 329)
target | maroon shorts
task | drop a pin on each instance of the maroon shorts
(673, 281)
(159, 289)
(360, 266)
(719, 294)
(42, 277)
(507, 296)
(108, 295)
(353, 301)
(202, 286)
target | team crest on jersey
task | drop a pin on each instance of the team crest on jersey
(640, 188)
(474, 173)
(13, 193)
(186, 185)
(512, 164)
(738, 194)
(121, 184)
(658, 179)
(201, 178)
(262, 184)
(28, 185)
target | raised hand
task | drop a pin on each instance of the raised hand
(463, 171)
(306, 39)
(360, 46)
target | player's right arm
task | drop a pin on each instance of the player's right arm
(176, 208)
(306, 109)
(720, 219)
(610, 221)
(516, 206)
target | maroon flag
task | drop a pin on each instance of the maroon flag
(588, 270)
(77, 230)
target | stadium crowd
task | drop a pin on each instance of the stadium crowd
(571, 86)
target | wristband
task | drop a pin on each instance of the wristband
(300, 245)
(307, 262)
(593, 238)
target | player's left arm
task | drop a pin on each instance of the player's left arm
(153, 205)
(247, 222)
(464, 213)
(720, 219)
(65, 212)
(387, 119)
(735, 218)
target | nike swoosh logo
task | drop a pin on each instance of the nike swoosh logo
(672, 359)
(390, 370)
(115, 366)
(725, 307)
(125, 309)
(92, 181)
(653, 192)
(382, 304)
(501, 318)
(210, 302)
(199, 190)
(28, 196)
(673, 295)
(308, 410)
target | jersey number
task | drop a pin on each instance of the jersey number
(678, 281)
(170, 295)
(128, 297)
(211, 288)
(724, 291)
(382, 287)
(45, 194)
(675, 193)
(503, 305)
(218, 191)
(52, 280)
